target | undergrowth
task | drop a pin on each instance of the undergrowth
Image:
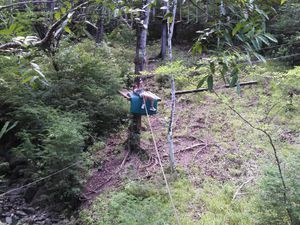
(239, 184)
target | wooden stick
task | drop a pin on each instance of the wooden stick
(240, 187)
(243, 84)
(206, 89)
(124, 95)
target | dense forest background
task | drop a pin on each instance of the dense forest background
(65, 152)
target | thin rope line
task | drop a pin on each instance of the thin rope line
(161, 166)
(43, 178)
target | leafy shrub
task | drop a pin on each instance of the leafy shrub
(51, 140)
(136, 205)
(53, 121)
(87, 82)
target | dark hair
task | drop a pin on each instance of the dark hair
(138, 80)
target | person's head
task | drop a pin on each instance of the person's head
(138, 82)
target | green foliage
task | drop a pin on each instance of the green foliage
(51, 140)
(87, 81)
(184, 76)
(290, 80)
(220, 208)
(136, 205)
(270, 202)
(7, 128)
(53, 120)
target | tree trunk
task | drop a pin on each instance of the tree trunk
(163, 49)
(170, 129)
(163, 40)
(140, 63)
(140, 54)
(100, 28)
(51, 6)
(135, 132)
(188, 16)
(222, 8)
(170, 35)
(207, 11)
(171, 29)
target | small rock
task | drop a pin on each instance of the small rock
(4, 168)
(8, 220)
(20, 213)
(28, 210)
(47, 222)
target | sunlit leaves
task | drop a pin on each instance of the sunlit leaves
(283, 1)
(271, 37)
(234, 77)
(237, 28)
(57, 15)
(201, 82)
(7, 128)
(197, 48)
(13, 28)
(210, 82)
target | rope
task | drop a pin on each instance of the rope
(37, 181)
(162, 169)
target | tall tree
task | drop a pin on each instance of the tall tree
(142, 31)
(171, 21)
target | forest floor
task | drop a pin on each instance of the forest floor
(212, 145)
(204, 142)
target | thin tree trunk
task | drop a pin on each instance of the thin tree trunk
(170, 35)
(100, 27)
(170, 130)
(171, 29)
(207, 11)
(163, 40)
(188, 16)
(163, 49)
(140, 56)
(51, 6)
(222, 8)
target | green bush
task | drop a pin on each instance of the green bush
(50, 141)
(136, 205)
(54, 120)
(87, 81)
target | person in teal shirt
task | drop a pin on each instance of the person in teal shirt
(139, 91)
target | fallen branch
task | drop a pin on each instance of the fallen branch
(186, 149)
(204, 147)
(206, 89)
(240, 187)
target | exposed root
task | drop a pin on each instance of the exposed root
(196, 154)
